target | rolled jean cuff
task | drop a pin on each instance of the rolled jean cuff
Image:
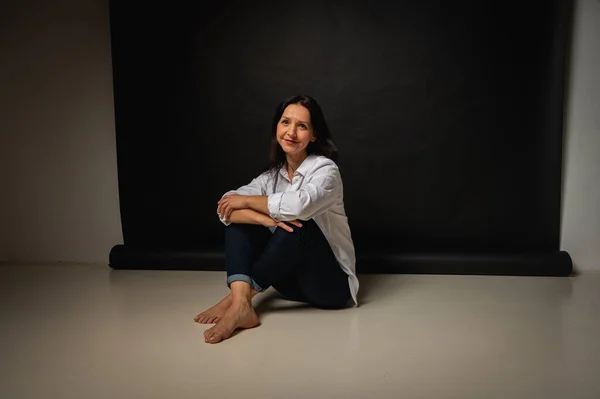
(244, 278)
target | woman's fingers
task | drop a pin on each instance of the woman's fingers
(285, 227)
(226, 211)
(222, 207)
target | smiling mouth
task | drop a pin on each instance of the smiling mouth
(290, 141)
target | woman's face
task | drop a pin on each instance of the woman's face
(294, 130)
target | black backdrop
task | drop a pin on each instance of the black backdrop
(448, 117)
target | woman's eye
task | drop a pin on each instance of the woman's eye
(303, 126)
(285, 122)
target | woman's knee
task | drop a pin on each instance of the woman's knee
(237, 234)
(308, 227)
(281, 233)
(241, 228)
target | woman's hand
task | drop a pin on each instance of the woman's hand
(269, 222)
(230, 203)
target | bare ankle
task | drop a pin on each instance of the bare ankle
(240, 300)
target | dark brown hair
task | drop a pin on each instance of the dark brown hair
(324, 144)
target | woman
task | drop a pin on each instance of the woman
(287, 228)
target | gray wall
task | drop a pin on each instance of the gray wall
(58, 172)
(58, 176)
(581, 176)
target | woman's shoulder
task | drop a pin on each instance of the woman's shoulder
(266, 175)
(322, 165)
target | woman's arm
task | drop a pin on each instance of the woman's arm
(259, 203)
(256, 187)
(322, 189)
(246, 216)
(233, 202)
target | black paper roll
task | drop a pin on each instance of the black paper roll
(557, 263)
(450, 135)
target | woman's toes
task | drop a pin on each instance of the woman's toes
(214, 339)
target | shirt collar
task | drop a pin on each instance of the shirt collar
(302, 169)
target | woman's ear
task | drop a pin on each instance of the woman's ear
(313, 138)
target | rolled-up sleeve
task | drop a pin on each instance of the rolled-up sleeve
(321, 191)
(256, 187)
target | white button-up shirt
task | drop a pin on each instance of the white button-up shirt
(315, 192)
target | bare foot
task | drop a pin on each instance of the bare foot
(215, 313)
(240, 314)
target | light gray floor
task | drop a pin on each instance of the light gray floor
(84, 331)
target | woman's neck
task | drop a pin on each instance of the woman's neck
(295, 162)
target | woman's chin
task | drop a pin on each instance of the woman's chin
(292, 151)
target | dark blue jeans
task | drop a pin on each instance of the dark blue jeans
(300, 265)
